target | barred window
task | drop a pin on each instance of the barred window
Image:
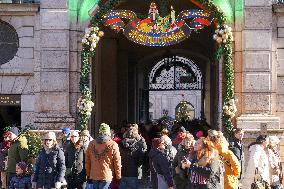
(9, 42)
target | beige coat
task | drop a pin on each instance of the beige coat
(103, 161)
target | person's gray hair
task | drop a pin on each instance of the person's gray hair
(274, 139)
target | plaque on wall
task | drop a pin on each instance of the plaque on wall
(10, 100)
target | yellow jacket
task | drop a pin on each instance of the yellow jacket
(232, 169)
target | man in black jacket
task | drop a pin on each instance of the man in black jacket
(236, 146)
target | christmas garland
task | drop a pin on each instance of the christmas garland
(222, 36)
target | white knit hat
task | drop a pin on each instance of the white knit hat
(50, 135)
(75, 133)
(274, 139)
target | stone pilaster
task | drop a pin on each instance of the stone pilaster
(258, 67)
(52, 66)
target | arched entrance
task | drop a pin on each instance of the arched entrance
(119, 84)
(172, 80)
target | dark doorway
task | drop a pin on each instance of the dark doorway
(9, 115)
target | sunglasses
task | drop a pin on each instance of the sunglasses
(74, 136)
(48, 139)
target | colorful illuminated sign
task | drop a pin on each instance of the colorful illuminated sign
(156, 30)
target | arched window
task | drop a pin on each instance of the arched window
(171, 81)
(175, 73)
(9, 42)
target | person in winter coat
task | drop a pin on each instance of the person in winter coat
(50, 164)
(206, 170)
(236, 146)
(103, 159)
(75, 163)
(21, 180)
(230, 161)
(85, 138)
(170, 150)
(258, 162)
(161, 164)
(185, 151)
(274, 162)
(4, 147)
(17, 152)
(133, 150)
(65, 138)
(178, 133)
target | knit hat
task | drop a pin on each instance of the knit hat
(22, 165)
(199, 134)
(104, 129)
(274, 140)
(156, 142)
(50, 135)
(75, 133)
(66, 130)
(85, 133)
(7, 134)
(14, 130)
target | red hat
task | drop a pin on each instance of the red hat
(7, 134)
(156, 142)
(180, 136)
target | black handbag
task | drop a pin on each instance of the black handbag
(259, 183)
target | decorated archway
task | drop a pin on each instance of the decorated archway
(209, 13)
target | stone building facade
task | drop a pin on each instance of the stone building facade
(44, 73)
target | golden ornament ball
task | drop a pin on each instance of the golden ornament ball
(101, 34)
(219, 40)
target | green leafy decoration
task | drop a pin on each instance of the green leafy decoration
(223, 51)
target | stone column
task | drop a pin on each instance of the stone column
(52, 66)
(258, 70)
(279, 59)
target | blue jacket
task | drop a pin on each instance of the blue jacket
(161, 165)
(50, 168)
(20, 182)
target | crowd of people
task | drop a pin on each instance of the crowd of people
(180, 160)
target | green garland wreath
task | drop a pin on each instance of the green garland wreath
(93, 35)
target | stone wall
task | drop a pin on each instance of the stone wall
(45, 71)
(260, 71)
(17, 75)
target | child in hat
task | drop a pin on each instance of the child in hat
(21, 180)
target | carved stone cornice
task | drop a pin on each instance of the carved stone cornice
(24, 9)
